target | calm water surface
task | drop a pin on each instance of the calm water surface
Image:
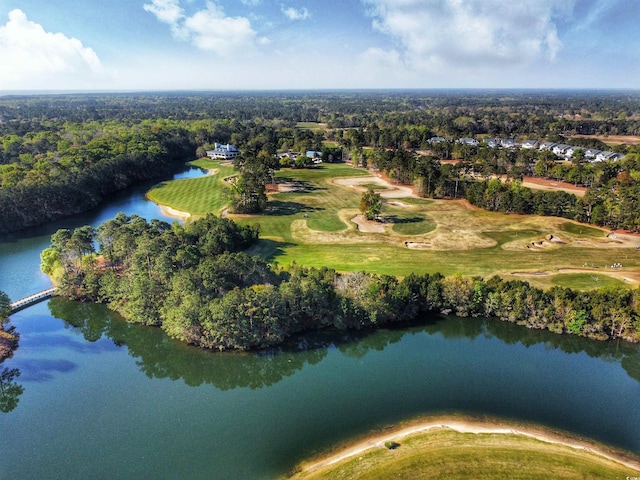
(89, 396)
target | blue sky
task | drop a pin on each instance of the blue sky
(318, 44)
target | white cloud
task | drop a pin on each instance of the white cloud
(251, 3)
(209, 29)
(436, 33)
(167, 11)
(31, 57)
(295, 14)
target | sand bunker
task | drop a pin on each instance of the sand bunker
(173, 213)
(417, 245)
(368, 226)
(399, 204)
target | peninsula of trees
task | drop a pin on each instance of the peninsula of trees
(195, 283)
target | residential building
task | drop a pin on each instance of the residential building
(224, 152)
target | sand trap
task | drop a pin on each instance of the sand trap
(417, 245)
(367, 226)
(173, 213)
(554, 239)
(399, 204)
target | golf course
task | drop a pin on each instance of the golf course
(313, 218)
(459, 447)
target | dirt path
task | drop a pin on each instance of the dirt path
(472, 426)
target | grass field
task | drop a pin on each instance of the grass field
(450, 454)
(195, 195)
(311, 223)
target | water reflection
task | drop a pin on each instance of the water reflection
(10, 390)
(161, 357)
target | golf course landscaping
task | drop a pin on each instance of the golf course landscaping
(455, 448)
(313, 218)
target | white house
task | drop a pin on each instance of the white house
(437, 140)
(590, 153)
(492, 143)
(468, 141)
(508, 143)
(530, 144)
(224, 152)
(547, 145)
(603, 156)
(561, 149)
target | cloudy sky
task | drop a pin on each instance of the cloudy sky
(318, 44)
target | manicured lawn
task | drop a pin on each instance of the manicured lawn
(582, 230)
(452, 455)
(311, 224)
(195, 195)
(586, 281)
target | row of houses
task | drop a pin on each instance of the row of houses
(316, 157)
(561, 150)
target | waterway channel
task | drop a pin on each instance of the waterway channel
(87, 395)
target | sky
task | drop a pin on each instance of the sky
(105, 45)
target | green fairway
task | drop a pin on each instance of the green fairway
(446, 454)
(586, 281)
(312, 220)
(195, 195)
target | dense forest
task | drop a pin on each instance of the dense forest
(66, 153)
(195, 282)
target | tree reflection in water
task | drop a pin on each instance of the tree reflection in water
(161, 357)
(10, 390)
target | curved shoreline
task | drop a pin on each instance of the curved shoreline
(476, 426)
(173, 213)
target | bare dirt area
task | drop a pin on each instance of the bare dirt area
(614, 139)
(537, 183)
(392, 191)
(288, 187)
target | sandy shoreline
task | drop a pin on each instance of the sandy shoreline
(173, 213)
(470, 425)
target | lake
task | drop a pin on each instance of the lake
(87, 395)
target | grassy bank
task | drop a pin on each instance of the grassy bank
(454, 448)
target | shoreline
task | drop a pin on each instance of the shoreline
(173, 213)
(466, 424)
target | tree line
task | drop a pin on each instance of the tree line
(610, 200)
(195, 282)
